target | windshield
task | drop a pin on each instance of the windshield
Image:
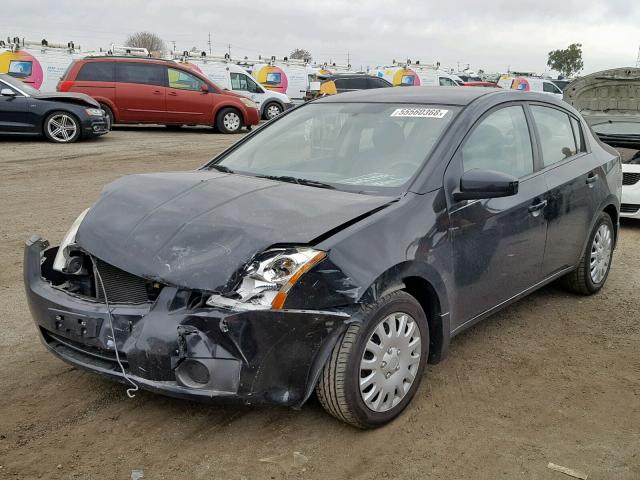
(364, 147)
(28, 89)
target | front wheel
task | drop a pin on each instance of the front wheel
(229, 121)
(272, 110)
(61, 127)
(593, 270)
(376, 367)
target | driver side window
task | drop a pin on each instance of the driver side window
(500, 142)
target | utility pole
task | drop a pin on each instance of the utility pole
(229, 49)
(174, 45)
(638, 59)
(348, 58)
(209, 42)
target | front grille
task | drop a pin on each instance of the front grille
(103, 355)
(629, 208)
(630, 178)
(120, 286)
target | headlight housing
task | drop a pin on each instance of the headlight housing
(267, 279)
(62, 255)
(248, 103)
(94, 112)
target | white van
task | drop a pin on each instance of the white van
(287, 78)
(530, 84)
(233, 77)
(414, 75)
(40, 66)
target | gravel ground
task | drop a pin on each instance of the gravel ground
(553, 378)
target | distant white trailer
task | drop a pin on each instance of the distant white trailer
(40, 66)
(414, 75)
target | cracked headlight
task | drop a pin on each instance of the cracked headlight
(62, 255)
(266, 281)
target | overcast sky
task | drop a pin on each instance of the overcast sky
(492, 35)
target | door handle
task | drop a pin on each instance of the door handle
(591, 179)
(157, 92)
(536, 207)
(173, 94)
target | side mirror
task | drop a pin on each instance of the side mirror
(476, 184)
(204, 88)
(7, 92)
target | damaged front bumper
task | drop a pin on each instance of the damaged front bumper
(181, 348)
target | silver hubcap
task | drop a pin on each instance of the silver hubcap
(600, 254)
(231, 121)
(273, 111)
(62, 128)
(390, 362)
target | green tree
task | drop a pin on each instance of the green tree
(568, 61)
(152, 42)
(300, 54)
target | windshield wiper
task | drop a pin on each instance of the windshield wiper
(299, 181)
(221, 168)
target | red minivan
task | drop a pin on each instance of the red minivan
(146, 90)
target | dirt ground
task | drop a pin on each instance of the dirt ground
(554, 378)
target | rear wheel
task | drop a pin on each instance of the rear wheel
(376, 367)
(272, 110)
(61, 127)
(593, 270)
(229, 120)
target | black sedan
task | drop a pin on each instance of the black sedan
(338, 249)
(60, 117)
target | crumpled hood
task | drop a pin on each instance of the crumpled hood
(195, 229)
(79, 98)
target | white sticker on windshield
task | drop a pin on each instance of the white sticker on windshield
(419, 112)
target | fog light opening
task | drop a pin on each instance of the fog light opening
(193, 374)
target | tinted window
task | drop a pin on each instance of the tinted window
(550, 88)
(357, 83)
(342, 83)
(447, 82)
(500, 142)
(97, 72)
(148, 74)
(556, 134)
(182, 80)
(377, 83)
(577, 133)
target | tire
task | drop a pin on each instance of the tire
(109, 112)
(272, 110)
(586, 280)
(229, 120)
(339, 388)
(61, 127)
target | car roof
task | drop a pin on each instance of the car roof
(435, 95)
(459, 96)
(126, 58)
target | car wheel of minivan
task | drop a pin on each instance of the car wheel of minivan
(593, 270)
(375, 368)
(272, 110)
(61, 127)
(109, 113)
(229, 120)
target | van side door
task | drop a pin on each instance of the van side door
(189, 99)
(140, 92)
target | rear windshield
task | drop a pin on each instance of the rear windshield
(363, 147)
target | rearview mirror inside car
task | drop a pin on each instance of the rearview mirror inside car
(477, 183)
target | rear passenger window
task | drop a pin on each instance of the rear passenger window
(556, 135)
(138, 72)
(97, 72)
(579, 136)
(501, 142)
